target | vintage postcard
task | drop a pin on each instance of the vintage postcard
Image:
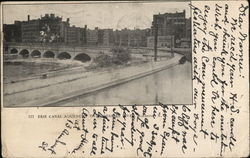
(85, 55)
(125, 79)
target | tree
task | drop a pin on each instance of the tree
(120, 55)
(103, 60)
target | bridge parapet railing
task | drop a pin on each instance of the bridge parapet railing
(69, 47)
(55, 45)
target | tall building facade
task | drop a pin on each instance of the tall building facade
(92, 36)
(121, 37)
(73, 36)
(131, 38)
(30, 30)
(162, 41)
(12, 32)
(105, 37)
(173, 30)
(138, 37)
(186, 41)
(53, 27)
(45, 29)
(169, 26)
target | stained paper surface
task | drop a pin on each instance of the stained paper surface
(215, 122)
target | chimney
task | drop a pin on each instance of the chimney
(28, 17)
(67, 20)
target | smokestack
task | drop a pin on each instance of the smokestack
(28, 17)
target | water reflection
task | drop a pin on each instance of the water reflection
(170, 86)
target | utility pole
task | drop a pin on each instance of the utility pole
(171, 46)
(128, 39)
(120, 40)
(156, 39)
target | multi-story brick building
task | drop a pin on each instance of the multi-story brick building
(131, 38)
(54, 27)
(73, 35)
(12, 32)
(171, 25)
(48, 28)
(105, 37)
(92, 36)
(138, 37)
(186, 41)
(30, 30)
(121, 37)
(162, 41)
(173, 29)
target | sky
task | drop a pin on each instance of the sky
(96, 14)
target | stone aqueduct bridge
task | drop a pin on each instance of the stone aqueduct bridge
(60, 51)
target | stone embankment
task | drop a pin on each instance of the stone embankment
(47, 91)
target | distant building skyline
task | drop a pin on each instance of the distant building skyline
(173, 30)
(104, 15)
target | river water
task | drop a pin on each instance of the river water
(169, 86)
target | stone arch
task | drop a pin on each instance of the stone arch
(49, 54)
(13, 51)
(64, 55)
(35, 54)
(82, 57)
(24, 53)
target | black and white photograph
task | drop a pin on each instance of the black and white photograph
(124, 79)
(96, 53)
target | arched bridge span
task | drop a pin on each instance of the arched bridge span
(83, 54)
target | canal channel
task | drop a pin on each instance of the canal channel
(170, 86)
